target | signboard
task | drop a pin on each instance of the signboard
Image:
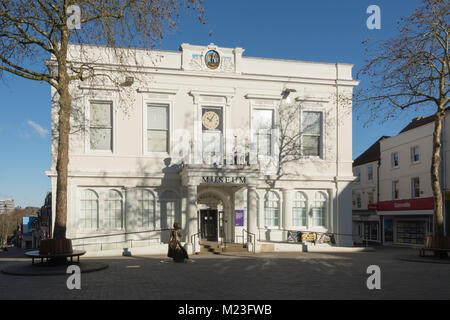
(239, 218)
(308, 237)
(224, 179)
(27, 223)
(410, 204)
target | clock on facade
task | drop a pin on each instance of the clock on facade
(210, 120)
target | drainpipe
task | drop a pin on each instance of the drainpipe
(378, 200)
(337, 157)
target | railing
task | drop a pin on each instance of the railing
(196, 235)
(332, 235)
(233, 159)
(249, 236)
(114, 235)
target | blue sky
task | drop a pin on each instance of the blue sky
(321, 30)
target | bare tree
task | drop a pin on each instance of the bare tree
(412, 71)
(33, 31)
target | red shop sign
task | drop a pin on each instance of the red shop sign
(410, 204)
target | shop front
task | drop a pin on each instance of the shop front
(406, 221)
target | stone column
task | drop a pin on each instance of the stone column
(191, 218)
(288, 198)
(251, 219)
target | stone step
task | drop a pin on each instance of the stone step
(218, 248)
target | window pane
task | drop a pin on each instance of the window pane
(100, 139)
(370, 173)
(415, 188)
(312, 123)
(264, 141)
(113, 212)
(212, 142)
(157, 141)
(157, 117)
(89, 211)
(146, 209)
(271, 212)
(100, 115)
(318, 217)
(311, 146)
(299, 217)
(262, 119)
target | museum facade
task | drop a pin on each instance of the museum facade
(236, 149)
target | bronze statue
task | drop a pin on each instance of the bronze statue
(176, 250)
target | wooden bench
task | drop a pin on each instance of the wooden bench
(36, 255)
(423, 250)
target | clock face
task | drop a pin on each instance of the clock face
(210, 120)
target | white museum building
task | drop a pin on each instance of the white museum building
(234, 148)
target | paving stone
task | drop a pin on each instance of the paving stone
(243, 276)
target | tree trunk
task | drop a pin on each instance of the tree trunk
(62, 162)
(438, 217)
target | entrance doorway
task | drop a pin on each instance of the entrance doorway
(208, 224)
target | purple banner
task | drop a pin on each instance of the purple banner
(239, 218)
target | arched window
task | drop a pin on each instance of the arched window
(146, 211)
(89, 210)
(299, 210)
(319, 210)
(271, 210)
(169, 209)
(113, 210)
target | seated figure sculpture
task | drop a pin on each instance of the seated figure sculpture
(176, 250)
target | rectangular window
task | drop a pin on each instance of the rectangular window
(370, 173)
(394, 160)
(311, 133)
(358, 175)
(395, 190)
(318, 215)
(358, 201)
(370, 197)
(157, 128)
(298, 217)
(413, 232)
(415, 156)
(100, 128)
(262, 130)
(415, 188)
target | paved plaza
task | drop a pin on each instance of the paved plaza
(242, 277)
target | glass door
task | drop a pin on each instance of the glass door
(208, 225)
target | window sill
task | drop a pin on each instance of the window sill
(99, 152)
(311, 158)
(100, 232)
(156, 155)
(272, 228)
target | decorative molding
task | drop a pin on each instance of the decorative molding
(263, 96)
(312, 99)
(157, 90)
(98, 87)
